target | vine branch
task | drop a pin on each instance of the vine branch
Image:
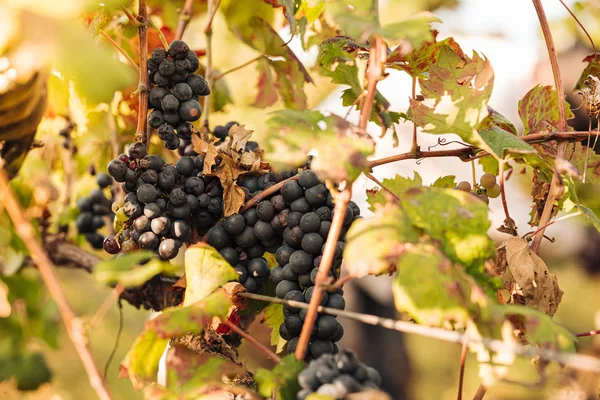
(144, 81)
(73, 325)
(184, 18)
(119, 49)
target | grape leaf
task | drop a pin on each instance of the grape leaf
(288, 7)
(461, 230)
(127, 271)
(338, 59)
(539, 108)
(220, 95)
(266, 96)
(592, 68)
(282, 380)
(397, 185)
(416, 28)
(538, 287)
(141, 362)
(356, 18)
(191, 318)
(341, 154)
(384, 235)
(418, 61)
(205, 271)
(455, 96)
(29, 369)
(588, 213)
(445, 182)
(274, 318)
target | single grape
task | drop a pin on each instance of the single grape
(494, 191)
(234, 224)
(199, 85)
(148, 240)
(111, 245)
(159, 55)
(156, 95)
(168, 249)
(147, 193)
(487, 181)
(190, 110)
(464, 186)
(307, 179)
(156, 119)
(291, 191)
(169, 104)
(166, 68)
(103, 180)
(178, 49)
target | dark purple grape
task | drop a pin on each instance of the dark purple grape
(166, 68)
(178, 49)
(190, 110)
(111, 245)
(168, 249)
(148, 241)
(156, 119)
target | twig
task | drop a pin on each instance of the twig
(116, 344)
(119, 48)
(463, 360)
(253, 341)
(266, 193)
(106, 305)
(581, 26)
(415, 145)
(130, 17)
(540, 229)
(588, 333)
(574, 360)
(184, 18)
(480, 392)
(341, 204)
(473, 173)
(339, 283)
(377, 57)
(144, 81)
(161, 35)
(73, 325)
(239, 67)
(510, 222)
(562, 120)
(385, 188)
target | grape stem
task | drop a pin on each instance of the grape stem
(533, 233)
(588, 333)
(39, 256)
(581, 26)
(481, 390)
(509, 221)
(553, 192)
(385, 188)
(253, 341)
(341, 205)
(574, 360)
(144, 81)
(377, 57)
(119, 49)
(112, 297)
(266, 193)
(463, 361)
(415, 145)
(249, 62)
(184, 18)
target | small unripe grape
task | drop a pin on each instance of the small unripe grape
(484, 197)
(464, 186)
(487, 181)
(493, 192)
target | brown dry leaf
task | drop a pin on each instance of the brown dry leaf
(239, 137)
(210, 159)
(537, 285)
(227, 172)
(201, 142)
(4, 303)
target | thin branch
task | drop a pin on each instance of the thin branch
(481, 390)
(385, 188)
(588, 333)
(184, 18)
(574, 360)
(208, 71)
(509, 221)
(540, 229)
(377, 57)
(42, 261)
(119, 48)
(339, 212)
(463, 360)
(130, 17)
(415, 145)
(587, 150)
(161, 35)
(266, 193)
(253, 341)
(255, 59)
(466, 152)
(144, 81)
(112, 297)
(581, 26)
(562, 120)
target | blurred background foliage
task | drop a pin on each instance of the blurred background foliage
(89, 85)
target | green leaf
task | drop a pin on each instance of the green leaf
(355, 18)
(592, 68)
(432, 290)
(127, 271)
(220, 95)
(338, 59)
(341, 153)
(205, 271)
(588, 213)
(281, 380)
(384, 235)
(141, 362)
(29, 370)
(458, 220)
(539, 108)
(418, 61)
(192, 318)
(274, 318)
(416, 28)
(397, 185)
(455, 96)
(445, 182)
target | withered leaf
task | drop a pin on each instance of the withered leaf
(537, 285)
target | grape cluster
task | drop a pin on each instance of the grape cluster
(94, 210)
(303, 221)
(163, 202)
(175, 96)
(486, 189)
(337, 376)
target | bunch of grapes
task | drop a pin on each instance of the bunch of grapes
(175, 96)
(337, 376)
(305, 211)
(163, 202)
(486, 188)
(95, 210)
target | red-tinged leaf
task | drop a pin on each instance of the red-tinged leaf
(288, 11)
(141, 362)
(174, 322)
(267, 95)
(538, 109)
(592, 68)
